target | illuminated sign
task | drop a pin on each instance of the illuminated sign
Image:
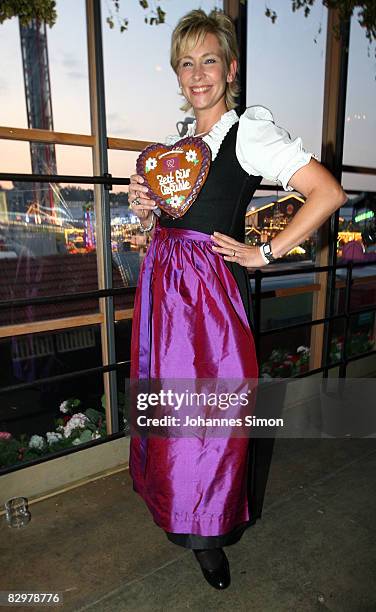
(365, 215)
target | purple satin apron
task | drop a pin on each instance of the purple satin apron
(190, 323)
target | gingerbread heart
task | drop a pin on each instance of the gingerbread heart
(175, 174)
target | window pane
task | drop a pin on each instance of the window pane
(128, 242)
(357, 230)
(29, 357)
(15, 157)
(360, 125)
(361, 336)
(121, 164)
(295, 96)
(128, 245)
(42, 158)
(142, 97)
(74, 161)
(286, 353)
(69, 69)
(56, 73)
(364, 182)
(267, 215)
(38, 419)
(12, 89)
(47, 248)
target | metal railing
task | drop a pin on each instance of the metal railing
(345, 359)
(259, 275)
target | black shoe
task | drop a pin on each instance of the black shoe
(219, 578)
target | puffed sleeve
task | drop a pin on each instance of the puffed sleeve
(266, 150)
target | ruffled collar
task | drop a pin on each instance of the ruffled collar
(219, 130)
(216, 135)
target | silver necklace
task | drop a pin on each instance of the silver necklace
(202, 133)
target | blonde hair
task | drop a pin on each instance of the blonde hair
(192, 29)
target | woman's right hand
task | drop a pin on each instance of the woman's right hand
(144, 206)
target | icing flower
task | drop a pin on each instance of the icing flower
(174, 201)
(150, 164)
(191, 156)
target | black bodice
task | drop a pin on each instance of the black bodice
(222, 202)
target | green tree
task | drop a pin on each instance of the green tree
(45, 10)
(154, 14)
(365, 12)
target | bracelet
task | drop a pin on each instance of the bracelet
(149, 227)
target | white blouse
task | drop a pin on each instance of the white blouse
(262, 148)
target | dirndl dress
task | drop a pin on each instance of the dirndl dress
(193, 320)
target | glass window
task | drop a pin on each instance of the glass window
(364, 182)
(12, 89)
(361, 334)
(69, 68)
(43, 419)
(29, 357)
(286, 353)
(357, 243)
(55, 72)
(357, 229)
(47, 248)
(121, 164)
(267, 215)
(128, 243)
(74, 160)
(15, 157)
(142, 97)
(285, 68)
(360, 124)
(42, 158)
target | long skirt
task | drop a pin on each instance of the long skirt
(190, 323)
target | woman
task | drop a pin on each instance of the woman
(192, 316)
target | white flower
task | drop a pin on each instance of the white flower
(191, 156)
(53, 436)
(302, 349)
(64, 407)
(36, 442)
(77, 421)
(175, 201)
(95, 435)
(150, 164)
(266, 376)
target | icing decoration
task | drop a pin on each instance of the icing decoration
(175, 174)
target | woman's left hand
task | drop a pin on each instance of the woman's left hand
(232, 250)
